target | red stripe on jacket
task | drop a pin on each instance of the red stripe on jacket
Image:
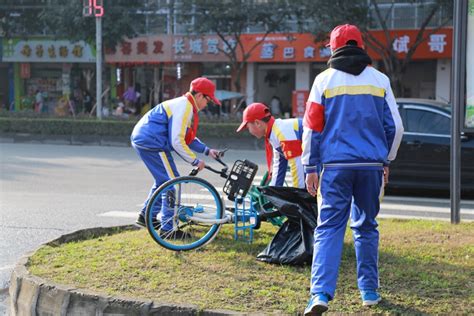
(314, 116)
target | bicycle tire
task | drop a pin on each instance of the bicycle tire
(182, 212)
(260, 201)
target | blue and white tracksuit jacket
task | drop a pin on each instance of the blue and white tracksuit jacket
(160, 131)
(284, 130)
(352, 128)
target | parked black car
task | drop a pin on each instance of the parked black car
(423, 160)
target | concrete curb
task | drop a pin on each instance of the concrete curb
(31, 295)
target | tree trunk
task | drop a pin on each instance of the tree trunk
(237, 71)
(156, 87)
(88, 75)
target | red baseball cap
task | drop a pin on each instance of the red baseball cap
(341, 34)
(255, 111)
(206, 87)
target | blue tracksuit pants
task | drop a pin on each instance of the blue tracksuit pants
(339, 189)
(161, 165)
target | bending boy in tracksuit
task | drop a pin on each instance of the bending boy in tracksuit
(165, 128)
(282, 142)
(352, 127)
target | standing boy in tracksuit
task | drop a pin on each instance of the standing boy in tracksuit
(352, 127)
(282, 142)
(165, 128)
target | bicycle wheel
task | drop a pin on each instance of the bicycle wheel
(263, 205)
(190, 213)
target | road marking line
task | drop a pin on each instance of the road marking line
(123, 214)
(381, 215)
(397, 216)
(119, 214)
(421, 200)
(7, 267)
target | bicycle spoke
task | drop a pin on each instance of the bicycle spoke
(191, 213)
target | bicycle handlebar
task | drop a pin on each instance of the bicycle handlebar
(222, 172)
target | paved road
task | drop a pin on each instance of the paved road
(50, 190)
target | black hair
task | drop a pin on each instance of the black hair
(266, 118)
(351, 43)
(193, 93)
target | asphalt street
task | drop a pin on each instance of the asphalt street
(50, 190)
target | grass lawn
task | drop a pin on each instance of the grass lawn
(426, 267)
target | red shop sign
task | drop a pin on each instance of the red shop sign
(25, 71)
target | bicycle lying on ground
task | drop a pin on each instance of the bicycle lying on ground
(192, 206)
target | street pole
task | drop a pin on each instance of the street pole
(458, 97)
(98, 41)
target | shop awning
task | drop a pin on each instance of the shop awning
(223, 95)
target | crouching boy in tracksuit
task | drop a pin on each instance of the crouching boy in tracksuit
(282, 143)
(165, 128)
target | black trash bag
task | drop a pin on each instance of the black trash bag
(293, 243)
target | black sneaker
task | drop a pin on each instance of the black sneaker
(141, 222)
(177, 234)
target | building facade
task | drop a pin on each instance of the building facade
(161, 62)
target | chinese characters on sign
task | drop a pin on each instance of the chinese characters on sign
(267, 51)
(200, 46)
(179, 46)
(47, 51)
(309, 52)
(437, 42)
(400, 44)
(275, 48)
(158, 47)
(298, 102)
(288, 52)
(25, 71)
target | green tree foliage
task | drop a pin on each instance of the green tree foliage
(394, 66)
(367, 15)
(19, 21)
(64, 19)
(230, 19)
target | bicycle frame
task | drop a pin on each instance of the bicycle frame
(186, 223)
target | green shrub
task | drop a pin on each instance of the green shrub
(92, 126)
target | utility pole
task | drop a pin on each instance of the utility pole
(98, 64)
(96, 8)
(458, 95)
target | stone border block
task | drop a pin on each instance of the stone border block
(31, 295)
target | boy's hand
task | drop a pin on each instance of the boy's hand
(312, 182)
(386, 172)
(201, 164)
(213, 153)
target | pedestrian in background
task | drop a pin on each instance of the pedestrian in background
(353, 129)
(87, 101)
(130, 98)
(275, 106)
(167, 128)
(39, 100)
(282, 143)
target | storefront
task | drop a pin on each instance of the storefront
(286, 65)
(57, 69)
(282, 69)
(161, 67)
